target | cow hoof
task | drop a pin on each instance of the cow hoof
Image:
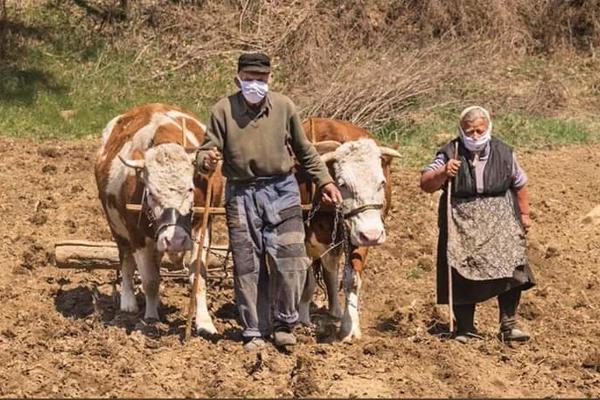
(350, 336)
(206, 328)
(129, 304)
(350, 329)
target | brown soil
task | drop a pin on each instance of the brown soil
(60, 334)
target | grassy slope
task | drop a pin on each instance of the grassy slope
(69, 69)
(66, 68)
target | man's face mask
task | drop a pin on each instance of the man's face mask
(254, 91)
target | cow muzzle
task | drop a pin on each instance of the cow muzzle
(366, 229)
(173, 231)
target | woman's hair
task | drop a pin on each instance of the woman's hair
(473, 113)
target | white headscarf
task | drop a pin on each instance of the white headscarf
(472, 144)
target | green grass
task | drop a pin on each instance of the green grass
(69, 69)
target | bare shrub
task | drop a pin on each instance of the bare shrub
(372, 90)
(362, 60)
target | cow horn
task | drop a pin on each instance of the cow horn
(327, 157)
(136, 164)
(386, 151)
(326, 146)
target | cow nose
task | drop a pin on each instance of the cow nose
(370, 236)
(176, 244)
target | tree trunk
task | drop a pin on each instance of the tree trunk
(84, 254)
(87, 255)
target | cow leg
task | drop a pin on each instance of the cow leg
(352, 283)
(350, 322)
(204, 323)
(307, 295)
(330, 263)
(128, 301)
(146, 263)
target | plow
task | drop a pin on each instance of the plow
(210, 257)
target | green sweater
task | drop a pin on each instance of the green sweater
(260, 142)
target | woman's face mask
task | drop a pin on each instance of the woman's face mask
(254, 91)
(477, 135)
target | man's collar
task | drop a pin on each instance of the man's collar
(265, 106)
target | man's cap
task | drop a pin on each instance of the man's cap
(254, 62)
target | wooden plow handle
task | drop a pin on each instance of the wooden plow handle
(201, 236)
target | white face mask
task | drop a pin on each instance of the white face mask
(253, 91)
(476, 145)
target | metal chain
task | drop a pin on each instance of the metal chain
(336, 221)
(316, 205)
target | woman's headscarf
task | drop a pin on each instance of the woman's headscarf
(470, 143)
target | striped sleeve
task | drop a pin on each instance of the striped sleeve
(438, 162)
(518, 174)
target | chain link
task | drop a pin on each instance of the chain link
(316, 205)
(338, 223)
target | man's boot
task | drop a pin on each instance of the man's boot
(254, 344)
(283, 336)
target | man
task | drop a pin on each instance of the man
(257, 133)
(485, 242)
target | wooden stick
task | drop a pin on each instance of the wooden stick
(313, 186)
(202, 235)
(448, 222)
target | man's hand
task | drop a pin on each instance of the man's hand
(330, 194)
(452, 168)
(211, 159)
(526, 221)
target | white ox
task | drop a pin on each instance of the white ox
(142, 159)
(361, 170)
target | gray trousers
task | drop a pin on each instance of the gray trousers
(266, 234)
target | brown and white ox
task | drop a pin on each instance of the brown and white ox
(361, 169)
(142, 160)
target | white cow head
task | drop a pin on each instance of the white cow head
(168, 174)
(359, 175)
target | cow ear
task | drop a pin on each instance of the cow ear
(388, 152)
(135, 164)
(326, 146)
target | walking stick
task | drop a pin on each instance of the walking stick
(448, 222)
(202, 235)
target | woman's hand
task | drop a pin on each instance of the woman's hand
(452, 167)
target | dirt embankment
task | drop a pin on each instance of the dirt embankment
(60, 334)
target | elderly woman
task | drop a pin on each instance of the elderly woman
(485, 242)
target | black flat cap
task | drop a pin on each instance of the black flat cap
(254, 62)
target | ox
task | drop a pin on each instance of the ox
(361, 170)
(143, 160)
